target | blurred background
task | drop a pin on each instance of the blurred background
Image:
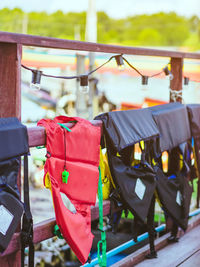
(171, 25)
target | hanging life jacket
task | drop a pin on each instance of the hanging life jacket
(175, 193)
(194, 118)
(72, 166)
(173, 188)
(14, 143)
(135, 184)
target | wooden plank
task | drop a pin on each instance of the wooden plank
(176, 82)
(14, 246)
(176, 253)
(31, 40)
(138, 258)
(36, 134)
(139, 255)
(193, 260)
(10, 77)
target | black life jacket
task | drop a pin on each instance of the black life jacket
(13, 144)
(135, 184)
(173, 188)
(194, 118)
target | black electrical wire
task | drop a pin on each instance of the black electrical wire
(156, 74)
(51, 76)
(92, 71)
(70, 77)
(159, 73)
(132, 66)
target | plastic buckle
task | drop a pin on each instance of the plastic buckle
(27, 231)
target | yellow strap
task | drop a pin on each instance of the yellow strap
(47, 181)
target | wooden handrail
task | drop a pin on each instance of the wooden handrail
(49, 42)
(37, 134)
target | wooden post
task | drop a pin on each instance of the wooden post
(10, 80)
(10, 106)
(176, 82)
(176, 85)
(81, 99)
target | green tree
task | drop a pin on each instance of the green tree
(149, 36)
(167, 29)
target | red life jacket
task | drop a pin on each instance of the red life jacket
(77, 152)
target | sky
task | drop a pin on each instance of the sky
(114, 8)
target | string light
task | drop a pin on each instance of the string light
(186, 80)
(84, 87)
(144, 82)
(83, 78)
(168, 73)
(120, 62)
(36, 79)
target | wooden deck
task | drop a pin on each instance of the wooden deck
(193, 260)
(184, 253)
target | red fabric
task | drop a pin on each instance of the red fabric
(82, 161)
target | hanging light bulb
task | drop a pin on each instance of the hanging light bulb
(36, 78)
(186, 80)
(84, 87)
(168, 73)
(144, 82)
(120, 62)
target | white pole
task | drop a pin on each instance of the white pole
(91, 36)
(91, 22)
(81, 99)
(25, 23)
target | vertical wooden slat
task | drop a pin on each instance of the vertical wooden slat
(10, 80)
(10, 106)
(176, 82)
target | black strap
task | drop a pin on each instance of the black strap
(137, 224)
(150, 224)
(27, 224)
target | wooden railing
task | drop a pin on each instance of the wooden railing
(11, 46)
